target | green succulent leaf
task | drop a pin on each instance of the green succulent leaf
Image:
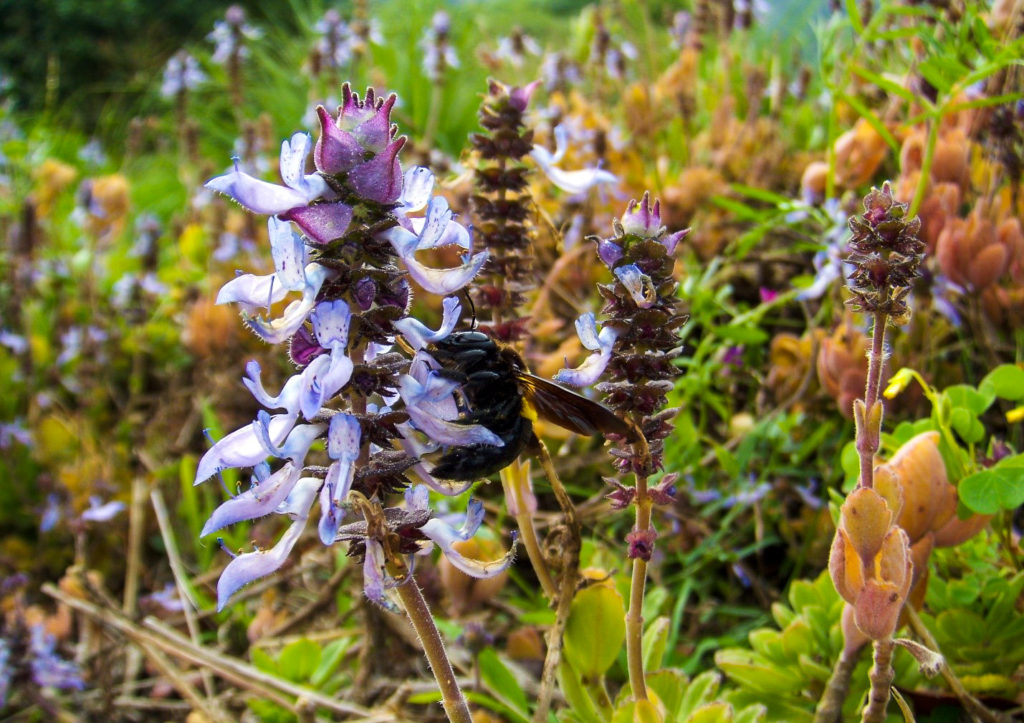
(596, 608)
(654, 643)
(501, 682)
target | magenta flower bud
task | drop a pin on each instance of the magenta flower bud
(364, 292)
(641, 219)
(641, 543)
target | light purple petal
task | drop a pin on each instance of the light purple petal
(440, 228)
(331, 323)
(419, 334)
(289, 252)
(444, 281)
(99, 512)
(256, 195)
(417, 498)
(254, 565)
(295, 314)
(638, 284)
(417, 187)
(252, 292)
(452, 433)
(445, 536)
(375, 577)
(574, 182)
(300, 499)
(288, 399)
(257, 501)
(344, 437)
(293, 167)
(242, 448)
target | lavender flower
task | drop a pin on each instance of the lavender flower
(438, 53)
(573, 182)
(359, 231)
(229, 36)
(182, 73)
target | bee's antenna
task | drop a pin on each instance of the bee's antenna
(472, 307)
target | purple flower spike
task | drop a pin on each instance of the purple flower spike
(594, 365)
(638, 284)
(380, 179)
(419, 335)
(321, 222)
(642, 220)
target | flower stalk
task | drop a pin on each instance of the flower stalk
(634, 350)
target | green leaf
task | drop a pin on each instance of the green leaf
(299, 660)
(263, 661)
(497, 706)
(330, 658)
(741, 334)
(595, 608)
(501, 682)
(873, 120)
(700, 691)
(711, 713)
(995, 489)
(654, 643)
(1005, 381)
(974, 400)
(576, 694)
(669, 686)
(750, 670)
(751, 714)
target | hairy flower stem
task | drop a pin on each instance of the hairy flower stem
(830, 707)
(869, 432)
(881, 677)
(455, 706)
(515, 484)
(637, 585)
(567, 587)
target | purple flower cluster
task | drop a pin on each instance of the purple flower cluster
(344, 240)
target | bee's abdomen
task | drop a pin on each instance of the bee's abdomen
(476, 461)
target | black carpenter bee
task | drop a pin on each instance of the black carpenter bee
(500, 394)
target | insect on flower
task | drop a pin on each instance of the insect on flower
(497, 392)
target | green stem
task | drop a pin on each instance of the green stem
(514, 483)
(634, 616)
(926, 167)
(869, 433)
(830, 707)
(455, 706)
(881, 677)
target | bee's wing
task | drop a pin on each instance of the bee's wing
(558, 405)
